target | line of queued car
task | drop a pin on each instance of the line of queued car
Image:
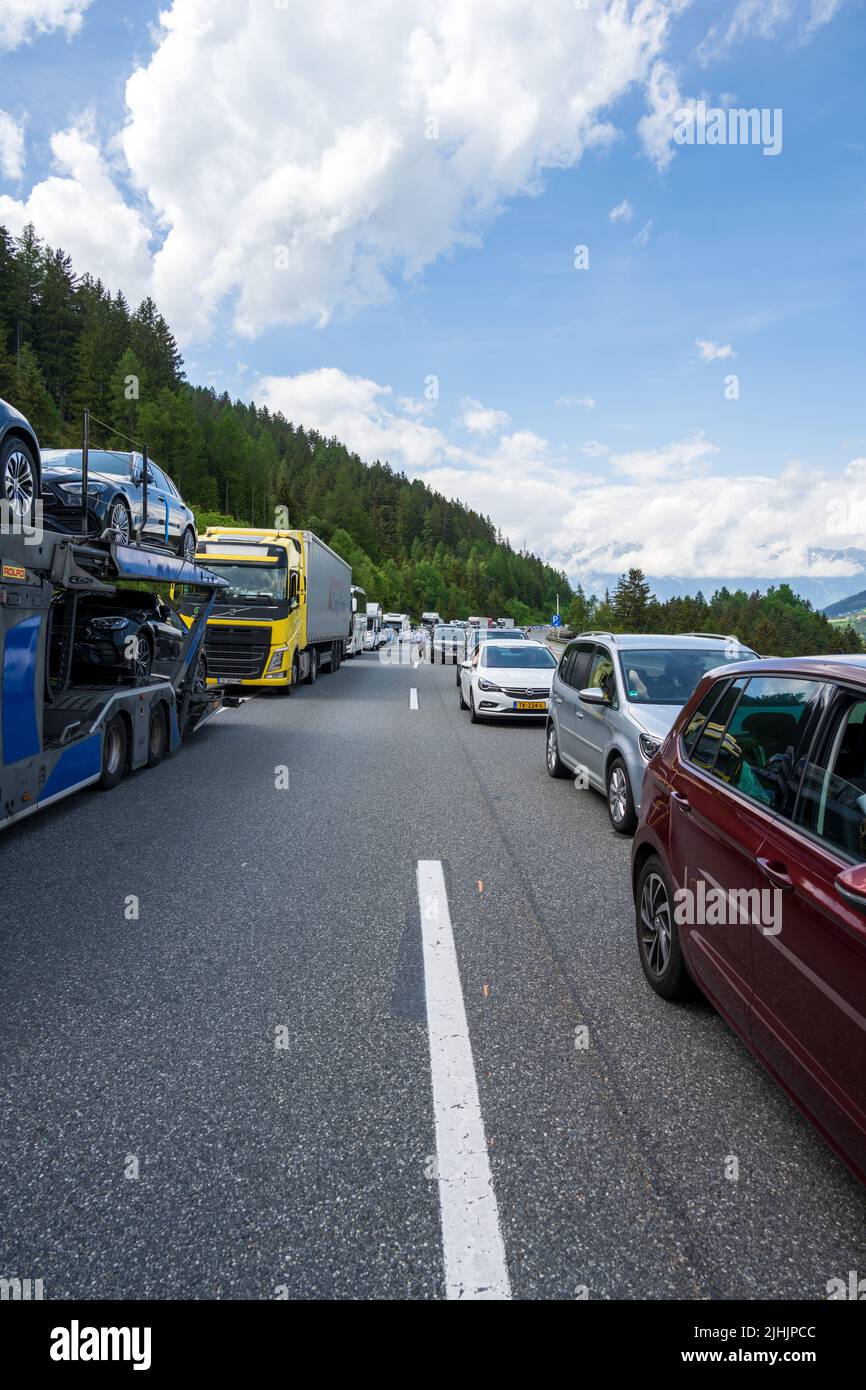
(743, 782)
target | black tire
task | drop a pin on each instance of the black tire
(198, 687)
(620, 802)
(658, 936)
(475, 718)
(157, 734)
(296, 674)
(115, 743)
(19, 478)
(314, 667)
(555, 766)
(119, 519)
(187, 547)
(463, 704)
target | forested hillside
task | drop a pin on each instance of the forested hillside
(66, 343)
(777, 623)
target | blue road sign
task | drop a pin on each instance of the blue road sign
(556, 620)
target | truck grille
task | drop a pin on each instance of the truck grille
(236, 652)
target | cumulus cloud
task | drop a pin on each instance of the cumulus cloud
(300, 159)
(613, 509)
(482, 419)
(712, 352)
(82, 210)
(11, 146)
(21, 21)
(360, 412)
(623, 212)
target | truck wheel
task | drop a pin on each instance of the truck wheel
(296, 673)
(114, 745)
(314, 666)
(157, 735)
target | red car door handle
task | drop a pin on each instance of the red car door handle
(776, 873)
(682, 801)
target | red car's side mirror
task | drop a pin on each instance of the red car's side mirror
(851, 885)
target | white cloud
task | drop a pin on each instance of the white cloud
(767, 19)
(681, 460)
(644, 234)
(712, 352)
(585, 402)
(254, 128)
(83, 211)
(11, 146)
(360, 412)
(667, 508)
(482, 419)
(656, 128)
(21, 21)
(594, 449)
(623, 212)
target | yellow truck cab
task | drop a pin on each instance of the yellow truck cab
(285, 614)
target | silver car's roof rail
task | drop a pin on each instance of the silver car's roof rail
(598, 632)
(722, 636)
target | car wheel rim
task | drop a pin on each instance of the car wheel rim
(189, 547)
(120, 522)
(141, 662)
(617, 794)
(551, 750)
(18, 483)
(655, 924)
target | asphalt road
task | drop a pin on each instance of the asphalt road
(230, 1095)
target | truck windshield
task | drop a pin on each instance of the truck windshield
(262, 583)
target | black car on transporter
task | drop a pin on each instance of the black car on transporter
(115, 499)
(128, 636)
(19, 463)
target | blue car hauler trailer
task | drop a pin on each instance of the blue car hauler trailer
(57, 736)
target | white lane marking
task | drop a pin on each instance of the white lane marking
(472, 1245)
(413, 698)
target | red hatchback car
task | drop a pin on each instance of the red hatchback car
(749, 874)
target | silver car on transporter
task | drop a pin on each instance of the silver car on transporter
(613, 700)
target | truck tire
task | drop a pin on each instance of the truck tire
(157, 734)
(314, 667)
(114, 745)
(296, 674)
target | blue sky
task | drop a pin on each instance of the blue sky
(593, 405)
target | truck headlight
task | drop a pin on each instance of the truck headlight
(276, 661)
(649, 746)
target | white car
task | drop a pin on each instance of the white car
(505, 677)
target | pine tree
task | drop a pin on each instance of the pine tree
(32, 397)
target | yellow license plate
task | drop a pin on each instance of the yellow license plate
(531, 704)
